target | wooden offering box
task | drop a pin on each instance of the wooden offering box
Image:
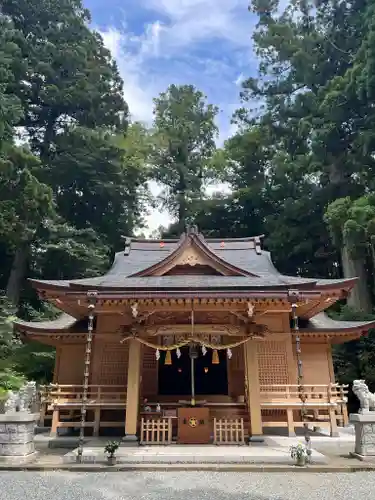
(194, 425)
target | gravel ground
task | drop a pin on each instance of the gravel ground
(185, 486)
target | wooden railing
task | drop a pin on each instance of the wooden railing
(316, 394)
(326, 405)
(228, 431)
(64, 394)
(156, 430)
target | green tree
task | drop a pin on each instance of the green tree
(352, 227)
(313, 129)
(67, 75)
(72, 105)
(24, 201)
(184, 142)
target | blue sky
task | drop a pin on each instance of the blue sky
(206, 43)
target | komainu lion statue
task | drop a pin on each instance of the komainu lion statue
(366, 398)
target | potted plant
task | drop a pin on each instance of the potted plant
(110, 449)
(299, 454)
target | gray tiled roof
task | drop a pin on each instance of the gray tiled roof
(322, 322)
(241, 253)
(161, 282)
(63, 322)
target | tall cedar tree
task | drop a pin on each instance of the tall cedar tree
(184, 142)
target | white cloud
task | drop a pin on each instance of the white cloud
(191, 21)
(203, 42)
(131, 54)
(239, 80)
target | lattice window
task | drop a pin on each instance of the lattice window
(114, 364)
(273, 363)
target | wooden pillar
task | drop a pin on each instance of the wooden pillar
(96, 427)
(55, 421)
(132, 391)
(253, 389)
(290, 419)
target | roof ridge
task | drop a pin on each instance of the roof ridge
(176, 240)
(247, 238)
(149, 240)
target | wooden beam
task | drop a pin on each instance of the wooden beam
(170, 329)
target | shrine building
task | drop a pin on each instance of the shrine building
(194, 340)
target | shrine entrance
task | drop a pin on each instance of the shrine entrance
(175, 378)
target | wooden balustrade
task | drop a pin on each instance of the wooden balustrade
(330, 399)
(326, 405)
(229, 431)
(72, 394)
(286, 394)
(156, 430)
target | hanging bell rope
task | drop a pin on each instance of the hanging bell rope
(183, 343)
(219, 346)
(301, 388)
(171, 347)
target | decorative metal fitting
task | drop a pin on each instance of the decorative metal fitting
(293, 296)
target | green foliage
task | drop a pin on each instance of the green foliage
(183, 145)
(300, 168)
(355, 359)
(78, 182)
(111, 447)
(353, 222)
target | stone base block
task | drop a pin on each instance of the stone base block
(364, 426)
(129, 440)
(17, 435)
(17, 460)
(255, 438)
(362, 458)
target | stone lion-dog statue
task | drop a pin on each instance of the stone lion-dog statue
(366, 398)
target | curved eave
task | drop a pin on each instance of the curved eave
(345, 284)
(62, 324)
(332, 337)
(340, 333)
(200, 243)
(65, 287)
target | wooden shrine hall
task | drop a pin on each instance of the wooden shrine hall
(194, 340)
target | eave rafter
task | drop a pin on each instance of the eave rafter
(336, 337)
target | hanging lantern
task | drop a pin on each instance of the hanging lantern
(215, 357)
(229, 353)
(178, 353)
(204, 350)
(157, 354)
(168, 358)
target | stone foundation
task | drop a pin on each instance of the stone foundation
(17, 437)
(364, 425)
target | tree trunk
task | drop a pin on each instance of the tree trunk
(17, 274)
(360, 297)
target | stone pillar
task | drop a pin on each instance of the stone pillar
(17, 437)
(253, 390)
(364, 425)
(132, 393)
